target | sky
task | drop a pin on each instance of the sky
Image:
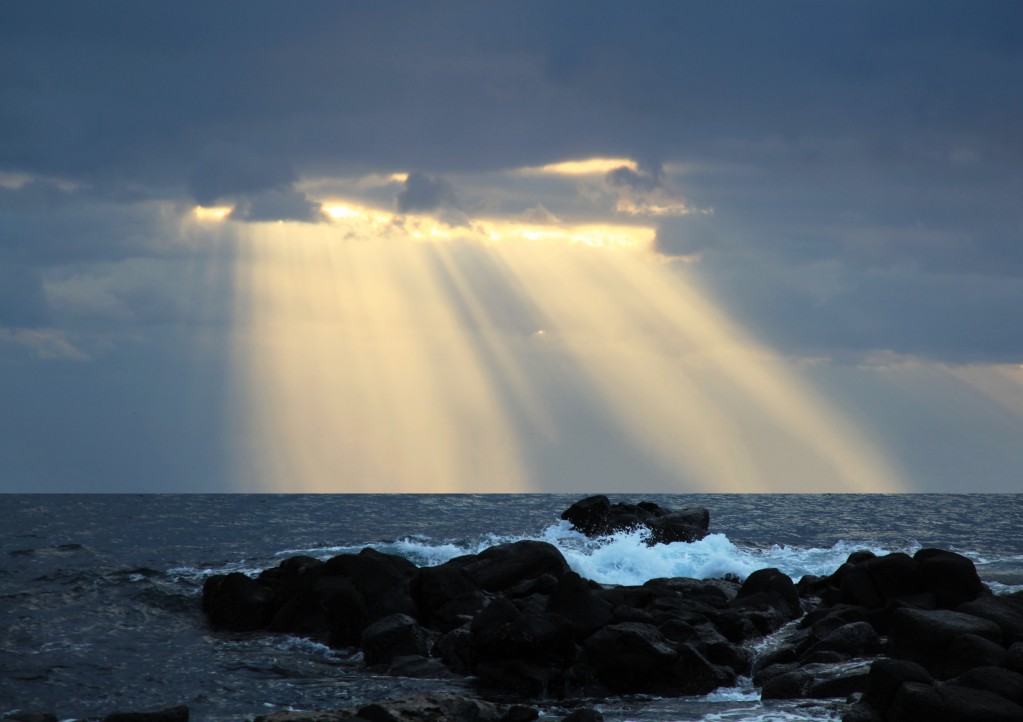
(511, 247)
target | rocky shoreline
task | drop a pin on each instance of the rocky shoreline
(897, 638)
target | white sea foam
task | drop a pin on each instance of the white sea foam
(626, 558)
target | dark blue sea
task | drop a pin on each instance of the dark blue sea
(100, 594)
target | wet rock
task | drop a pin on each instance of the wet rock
(394, 636)
(967, 704)
(1014, 658)
(454, 649)
(1006, 612)
(574, 598)
(235, 601)
(968, 651)
(857, 639)
(585, 714)
(950, 577)
(924, 636)
(384, 581)
(177, 713)
(528, 654)
(876, 582)
(597, 516)
(771, 589)
(1000, 681)
(887, 676)
(688, 525)
(418, 667)
(632, 657)
(446, 594)
(505, 565)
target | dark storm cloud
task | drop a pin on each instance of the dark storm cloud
(225, 170)
(277, 205)
(425, 193)
(643, 179)
(143, 89)
(875, 135)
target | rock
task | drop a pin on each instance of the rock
(687, 525)
(527, 654)
(505, 565)
(951, 577)
(454, 649)
(446, 594)
(772, 589)
(597, 516)
(924, 636)
(315, 607)
(788, 685)
(234, 601)
(887, 676)
(520, 713)
(993, 679)
(634, 657)
(585, 714)
(917, 702)
(857, 639)
(394, 636)
(968, 651)
(843, 682)
(384, 581)
(627, 656)
(178, 713)
(1014, 658)
(967, 704)
(418, 667)
(589, 515)
(816, 681)
(1006, 612)
(876, 582)
(31, 717)
(861, 712)
(574, 599)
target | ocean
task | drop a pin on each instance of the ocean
(100, 594)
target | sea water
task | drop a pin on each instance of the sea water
(100, 594)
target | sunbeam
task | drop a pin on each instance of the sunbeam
(398, 353)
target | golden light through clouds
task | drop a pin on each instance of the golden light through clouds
(398, 353)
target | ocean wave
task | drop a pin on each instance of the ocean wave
(626, 558)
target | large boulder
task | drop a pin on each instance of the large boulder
(383, 580)
(950, 577)
(505, 565)
(633, 657)
(237, 602)
(597, 516)
(396, 635)
(575, 599)
(924, 636)
(772, 589)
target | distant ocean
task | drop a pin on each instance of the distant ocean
(100, 594)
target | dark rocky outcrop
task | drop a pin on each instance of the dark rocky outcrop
(597, 516)
(911, 637)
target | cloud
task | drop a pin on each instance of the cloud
(223, 171)
(45, 344)
(277, 205)
(22, 299)
(425, 193)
